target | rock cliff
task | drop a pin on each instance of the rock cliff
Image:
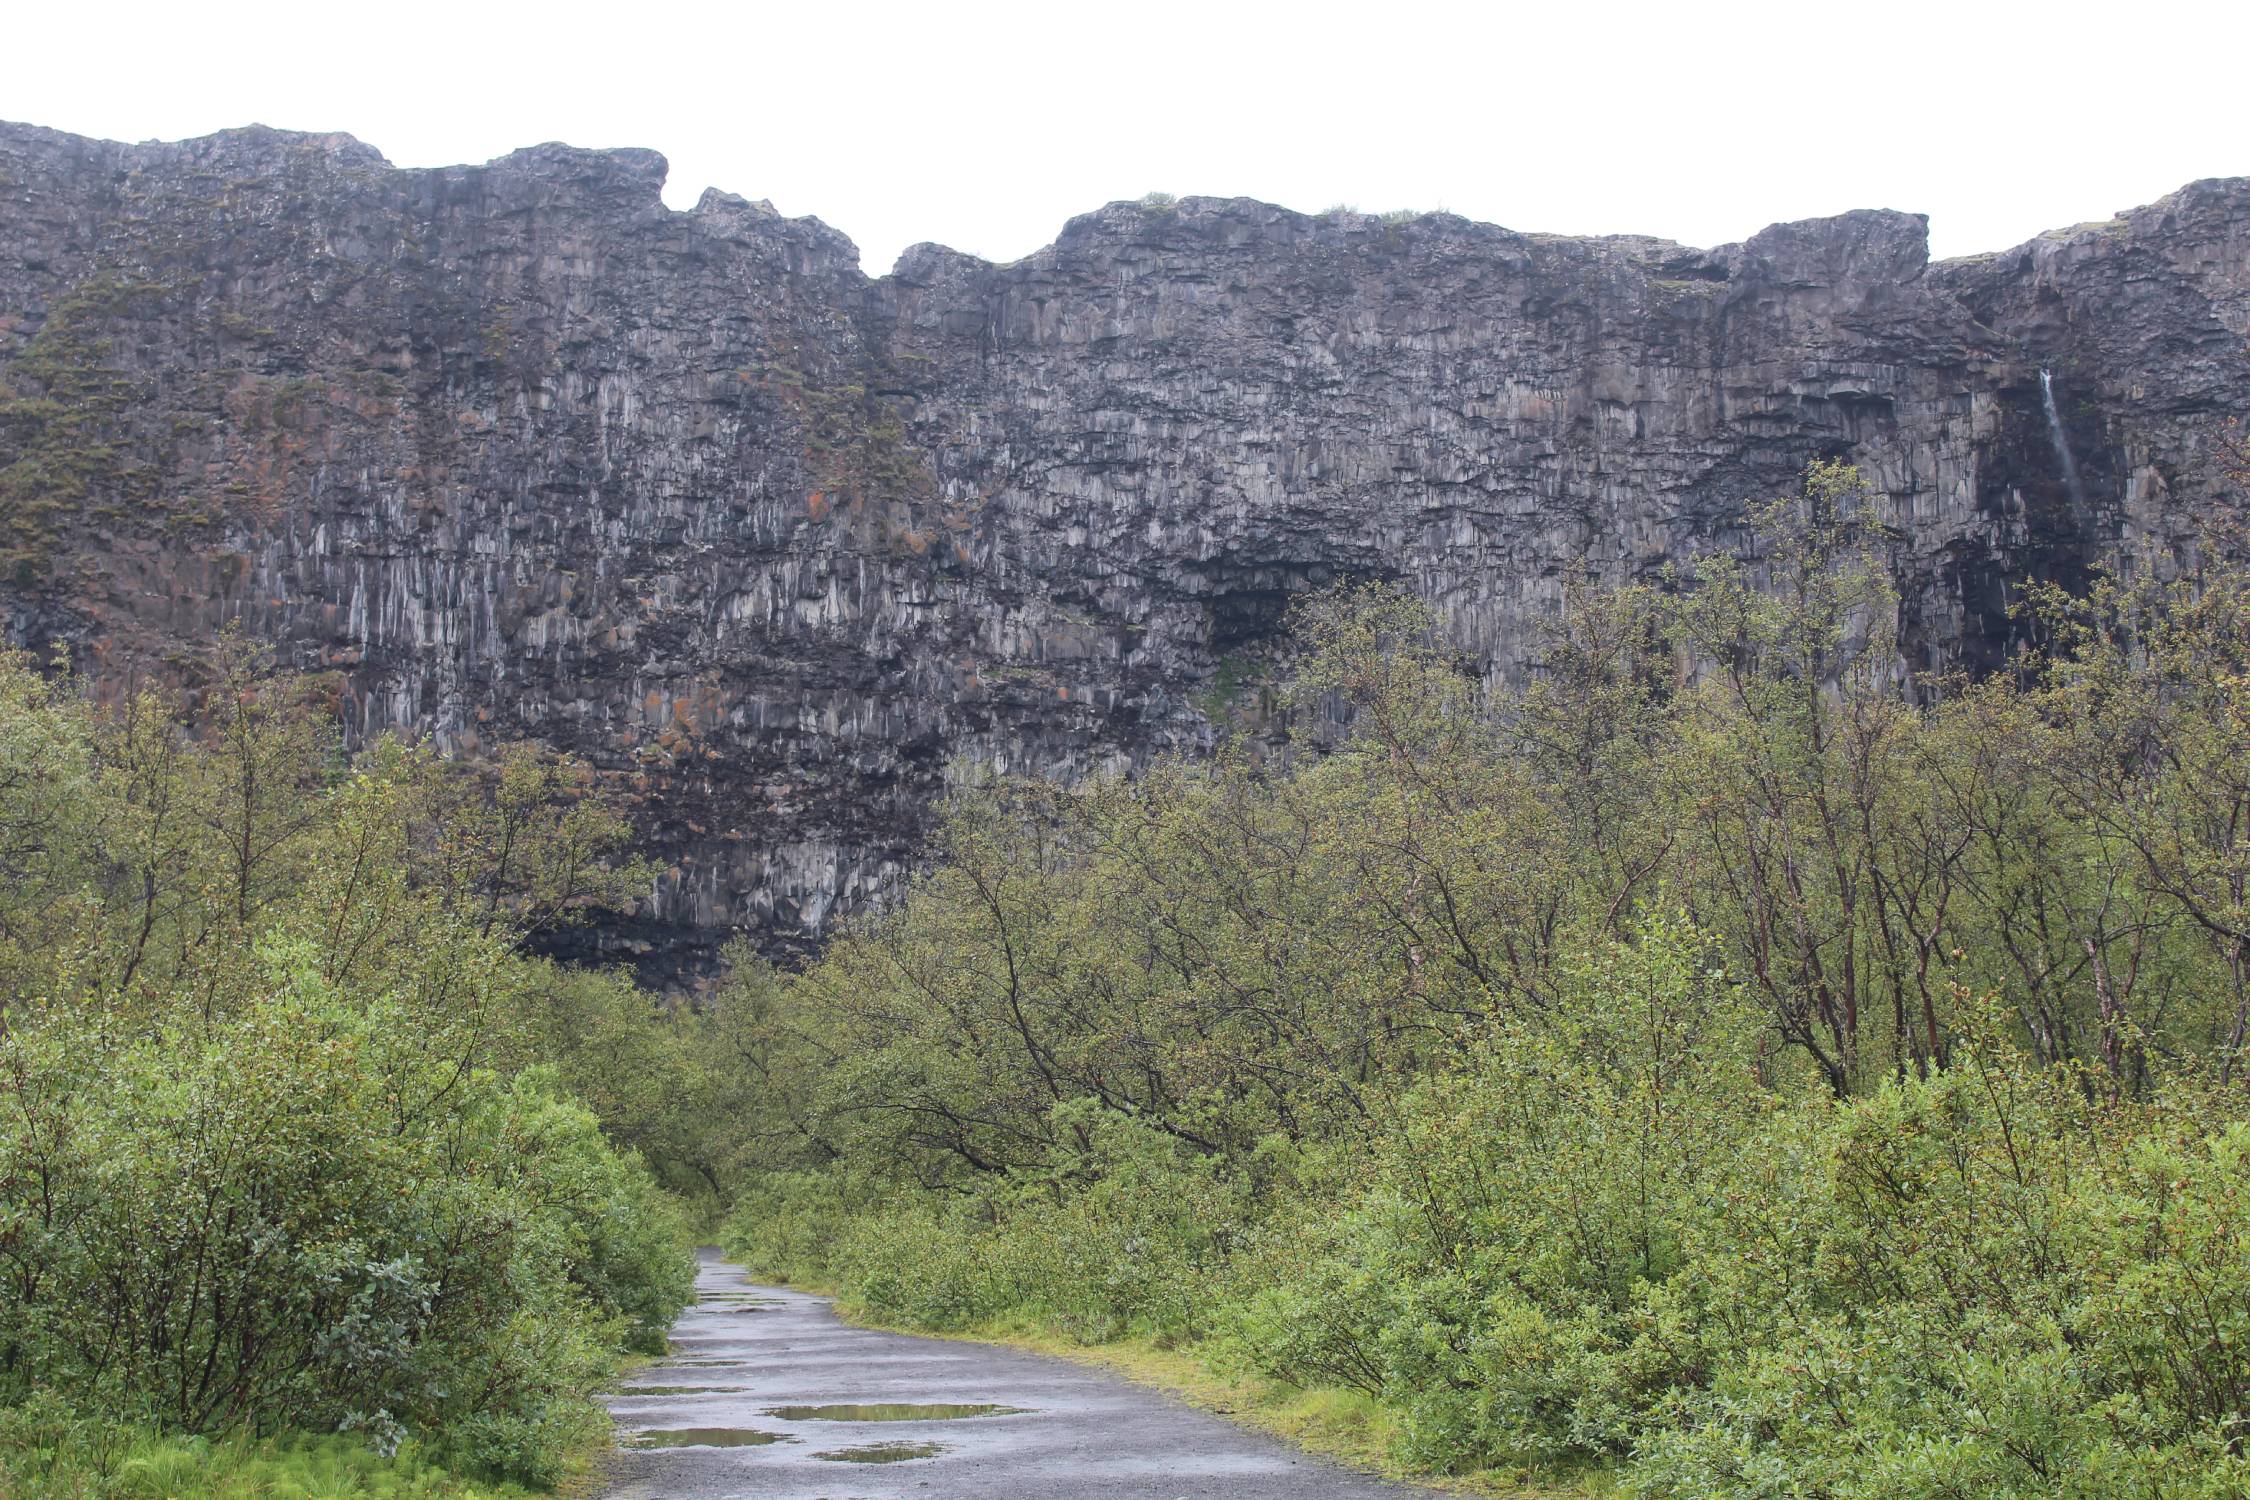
(518, 452)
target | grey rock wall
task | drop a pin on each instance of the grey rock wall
(519, 452)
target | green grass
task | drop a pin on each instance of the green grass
(88, 1463)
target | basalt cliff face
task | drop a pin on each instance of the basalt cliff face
(517, 452)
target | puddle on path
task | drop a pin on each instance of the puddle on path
(712, 1364)
(701, 1437)
(942, 1411)
(680, 1390)
(884, 1453)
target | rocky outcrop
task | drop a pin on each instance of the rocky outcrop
(519, 452)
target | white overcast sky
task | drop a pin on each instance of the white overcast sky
(985, 126)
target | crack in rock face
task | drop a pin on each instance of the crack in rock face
(515, 452)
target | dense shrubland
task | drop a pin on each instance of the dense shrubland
(1731, 1064)
(292, 1141)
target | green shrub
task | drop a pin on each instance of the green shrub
(297, 1217)
(1622, 1234)
(2011, 1291)
(1495, 1284)
(786, 1224)
(277, 1150)
(1122, 1232)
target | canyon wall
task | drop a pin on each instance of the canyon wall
(518, 452)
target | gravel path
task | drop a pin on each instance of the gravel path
(768, 1395)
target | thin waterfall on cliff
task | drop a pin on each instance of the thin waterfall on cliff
(2061, 440)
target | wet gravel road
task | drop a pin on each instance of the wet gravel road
(768, 1395)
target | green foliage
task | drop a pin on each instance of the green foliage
(47, 1451)
(1119, 1235)
(1727, 1064)
(279, 1151)
(1994, 1287)
(1727, 1061)
(298, 1217)
(1491, 1280)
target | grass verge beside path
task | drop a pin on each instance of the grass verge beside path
(78, 1460)
(294, 1468)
